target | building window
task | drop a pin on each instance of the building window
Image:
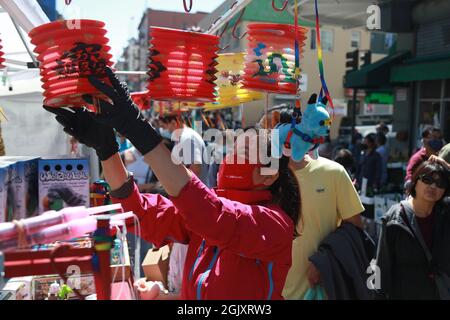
(382, 43)
(431, 89)
(327, 40)
(355, 40)
(434, 106)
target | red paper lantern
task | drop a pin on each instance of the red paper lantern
(141, 99)
(2, 60)
(182, 65)
(68, 54)
(270, 60)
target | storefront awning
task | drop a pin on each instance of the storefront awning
(416, 70)
(375, 75)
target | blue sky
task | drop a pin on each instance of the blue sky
(122, 17)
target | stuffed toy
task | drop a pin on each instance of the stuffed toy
(305, 137)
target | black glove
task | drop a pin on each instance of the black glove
(123, 115)
(80, 124)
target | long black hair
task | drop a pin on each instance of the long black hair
(286, 193)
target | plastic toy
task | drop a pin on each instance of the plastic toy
(299, 139)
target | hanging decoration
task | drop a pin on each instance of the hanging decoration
(68, 55)
(270, 61)
(141, 99)
(324, 90)
(2, 60)
(308, 130)
(182, 65)
(229, 83)
(286, 2)
(187, 8)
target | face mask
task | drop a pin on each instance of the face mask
(436, 145)
(237, 176)
(165, 133)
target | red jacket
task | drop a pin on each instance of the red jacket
(236, 251)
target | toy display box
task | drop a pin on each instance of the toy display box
(17, 289)
(21, 186)
(63, 182)
(5, 184)
(41, 286)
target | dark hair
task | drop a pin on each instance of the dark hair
(168, 118)
(345, 158)
(427, 132)
(371, 138)
(286, 193)
(286, 190)
(429, 168)
(381, 138)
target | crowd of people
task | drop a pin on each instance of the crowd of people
(239, 234)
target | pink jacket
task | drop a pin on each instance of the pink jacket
(236, 251)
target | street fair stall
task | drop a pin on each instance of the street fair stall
(60, 236)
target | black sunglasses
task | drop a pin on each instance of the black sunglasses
(429, 180)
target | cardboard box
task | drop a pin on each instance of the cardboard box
(4, 186)
(63, 182)
(156, 265)
(9, 188)
(23, 173)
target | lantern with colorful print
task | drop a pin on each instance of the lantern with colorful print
(182, 65)
(270, 60)
(69, 53)
(229, 81)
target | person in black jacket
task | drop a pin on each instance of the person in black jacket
(414, 247)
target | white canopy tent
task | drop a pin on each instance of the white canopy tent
(345, 13)
(29, 130)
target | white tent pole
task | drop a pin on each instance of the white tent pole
(27, 13)
(25, 43)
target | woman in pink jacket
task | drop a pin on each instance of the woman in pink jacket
(239, 245)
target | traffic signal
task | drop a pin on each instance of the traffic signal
(366, 58)
(352, 60)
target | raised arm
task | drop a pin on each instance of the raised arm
(159, 218)
(124, 116)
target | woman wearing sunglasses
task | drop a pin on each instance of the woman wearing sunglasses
(414, 250)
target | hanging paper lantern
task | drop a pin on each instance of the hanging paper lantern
(270, 61)
(141, 99)
(182, 65)
(229, 82)
(2, 60)
(69, 53)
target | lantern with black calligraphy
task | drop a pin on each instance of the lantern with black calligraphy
(270, 60)
(2, 60)
(69, 52)
(182, 65)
